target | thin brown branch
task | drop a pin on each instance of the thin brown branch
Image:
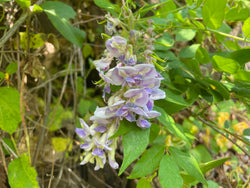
(52, 169)
(3, 158)
(217, 130)
(22, 117)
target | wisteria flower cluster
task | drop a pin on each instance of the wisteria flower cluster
(139, 87)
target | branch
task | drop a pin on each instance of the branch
(217, 130)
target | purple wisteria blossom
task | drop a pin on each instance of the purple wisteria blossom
(139, 84)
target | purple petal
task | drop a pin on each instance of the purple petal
(143, 123)
(153, 114)
(130, 117)
(101, 129)
(80, 132)
(146, 69)
(158, 94)
(151, 82)
(116, 77)
(131, 80)
(114, 44)
(142, 99)
(103, 63)
(150, 104)
(132, 92)
(86, 146)
(113, 164)
(98, 152)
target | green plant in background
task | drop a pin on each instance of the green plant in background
(198, 51)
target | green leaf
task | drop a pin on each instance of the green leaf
(86, 106)
(87, 51)
(242, 55)
(11, 68)
(154, 132)
(61, 114)
(169, 174)
(212, 184)
(35, 41)
(169, 123)
(205, 167)
(242, 75)
(164, 43)
(124, 127)
(2, 1)
(213, 13)
(134, 143)
(37, 8)
(143, 183)
(246, 27)
(185, 34)
(109, 7)
(188, 163)
(148, 163)
(2, 75)
(198, 24)
(9, 144)
(59, 15)
(21, 174)
(60, 143)
(201, 55)
(9, 109)
(218, 87)
(225, 64)
(189, 51)
(237, 14)
(23, 3)
(201, 153)
(163, 11)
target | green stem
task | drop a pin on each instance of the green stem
(206, 29)
(14, 143)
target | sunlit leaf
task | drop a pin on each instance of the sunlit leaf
(134, 143)
(169, 123)
(225, 64)
(246, 27)
(188, 163)
(169, 174)
(109, 7)
(9, 109)
(59, 15)
(143, 183)
(213, 13)
(21, 174)
(23, 3)
(60, 144)
(148, 163)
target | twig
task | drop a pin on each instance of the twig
(47, 109)
(52, 169)
(232, 134)
(61, 94)
(100, 180)
(58, 74)
(217, 130)
(22, 117)
(3, 157)
(89, 20)
(8, 148)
